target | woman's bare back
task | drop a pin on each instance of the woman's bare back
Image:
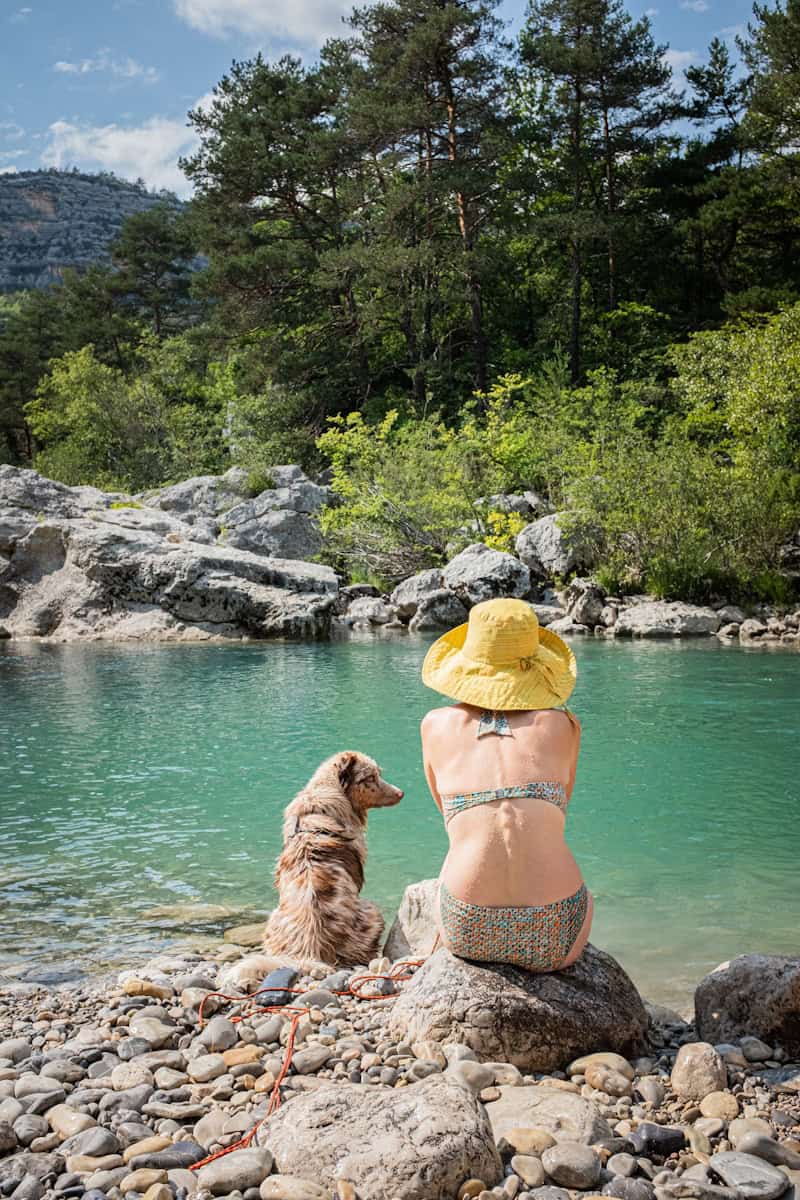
(507, 851)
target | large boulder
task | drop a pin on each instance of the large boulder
(666, 618)
(585, 602)
(29, 492)
(754, 994)
(413, 931)
(566, 1116)
(416, 1143)
(408, 595)
(353, 591)
(88, 565)
(276, 533)
(547, 613)
(370, 610)
(438, 610)
(548, 550)
(280, 521)
(201, 498)
(566, 625)
(480, 573)
(538, 1022)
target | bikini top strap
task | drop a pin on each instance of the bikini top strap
(495, 722)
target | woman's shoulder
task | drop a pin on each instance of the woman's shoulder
(562, 718)
(444, 715)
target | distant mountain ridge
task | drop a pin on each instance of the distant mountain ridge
(54, 219)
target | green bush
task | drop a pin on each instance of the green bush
(270, 426)
(667, 519)
(404, 492)
(258, 480)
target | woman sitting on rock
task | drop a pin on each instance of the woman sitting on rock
(501, 767)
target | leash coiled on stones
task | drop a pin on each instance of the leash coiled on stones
(251, 1009)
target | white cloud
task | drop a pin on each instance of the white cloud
(8, 170)
(150, 150)
(731, 32)
(20, 15)
(126, 68)
(302, 23)
(698, 6)
(679, 60)
(11, 131)
(6, 155)
(651, 12)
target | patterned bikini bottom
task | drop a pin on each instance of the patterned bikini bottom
(536, 937)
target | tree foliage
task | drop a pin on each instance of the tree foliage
(98, 425)
(448, 267)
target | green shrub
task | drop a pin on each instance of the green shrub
(667, 518)
(258, 480)
(403, 492)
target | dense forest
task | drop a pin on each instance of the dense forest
(446, 266)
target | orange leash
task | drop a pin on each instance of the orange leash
(275, 1098)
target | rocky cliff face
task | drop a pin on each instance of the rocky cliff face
(50, 220)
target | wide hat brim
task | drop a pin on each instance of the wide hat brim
(546, 680)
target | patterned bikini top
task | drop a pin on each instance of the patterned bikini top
(538, 789)
(494, 722)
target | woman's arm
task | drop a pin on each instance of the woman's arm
(424, 729)
(576, 745)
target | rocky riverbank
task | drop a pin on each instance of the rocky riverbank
(207, 559)
(114, 1090)
(439, 599)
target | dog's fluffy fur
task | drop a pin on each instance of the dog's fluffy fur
(321, 868)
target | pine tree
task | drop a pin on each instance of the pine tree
(430, 105)
(771, 50)
(720, 94)
(633, 99)
(275, 171)
(153, 254)
(601, 86)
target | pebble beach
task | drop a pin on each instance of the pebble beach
(114, 1089)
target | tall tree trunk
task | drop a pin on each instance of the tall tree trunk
(611, 207)
(467, 241)
(426, 342)
(577, 264)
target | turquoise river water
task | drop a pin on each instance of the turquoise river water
(134, 777)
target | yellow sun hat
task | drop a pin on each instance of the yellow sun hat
(501, 659)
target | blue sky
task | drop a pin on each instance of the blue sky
(106, 84)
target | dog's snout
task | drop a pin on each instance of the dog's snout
(391, 794)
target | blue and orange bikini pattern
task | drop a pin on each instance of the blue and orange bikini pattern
(540, 789)
(537, 937)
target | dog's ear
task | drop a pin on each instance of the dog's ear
(346, 767)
